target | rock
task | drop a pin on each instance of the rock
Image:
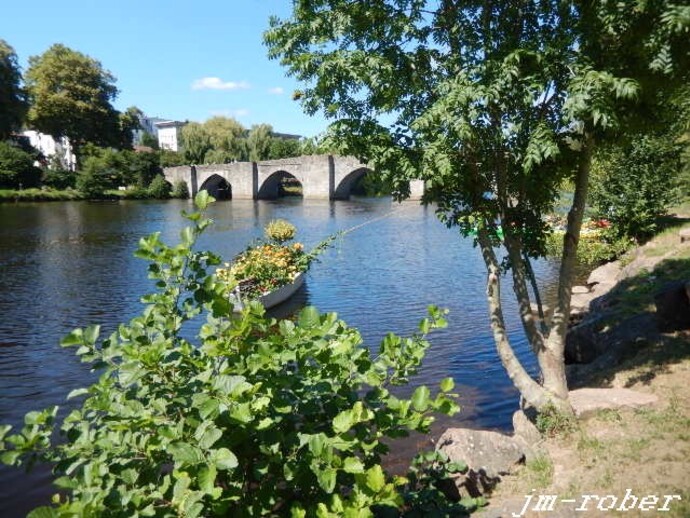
(673, 307)
(583, 342)
(605, 274)
(580, 290)
(587, 401)
(580, 302)
(684, 234)
(527, 436)
(488, 455)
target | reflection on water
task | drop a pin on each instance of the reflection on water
(64, 265)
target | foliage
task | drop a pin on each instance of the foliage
(159, 188)
(284, 148)
(129, 122)
(39, 195)
(180, 190)
(552, 422)
(279, 231)
(149, 140)
(596, 246)
(13, 104)
(170, 158)
(227, 140)
(255, 417)
(71, 96)
(57, 177)
(196, 142)
(259, 142)
(100, 173)
(494, 104)
(17, 169)
(634, 184)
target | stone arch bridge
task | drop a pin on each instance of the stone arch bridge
(322, 177)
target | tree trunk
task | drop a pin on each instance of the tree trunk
(553, 363)
(533, 393)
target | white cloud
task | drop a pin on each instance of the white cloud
(216, 83)
(276, 91)
(241, 112)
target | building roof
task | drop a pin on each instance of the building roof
(170, 124)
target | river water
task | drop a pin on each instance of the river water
(70, 264)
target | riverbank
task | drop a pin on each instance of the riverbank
(15, 195)
(639, 452)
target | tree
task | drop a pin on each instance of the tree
(129, 122)
(13, 104)
(71, 97)
(196, 142)
(284, 148)
(494, 103)
(17, 169)
(259, 142)
(226, 136)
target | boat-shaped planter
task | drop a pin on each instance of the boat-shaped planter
(275, 297)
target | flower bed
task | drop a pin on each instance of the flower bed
(270, 264)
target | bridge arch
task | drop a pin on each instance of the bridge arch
(273, 185)
(218, 187)
(343, 190)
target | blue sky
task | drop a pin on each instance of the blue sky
(174, 59)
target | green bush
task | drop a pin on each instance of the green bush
(59, 178)
(634, 184)
(254, 417)
(17, 169)
(594, 248)
(159, 188)
(180, 190)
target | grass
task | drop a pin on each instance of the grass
(539, 471)
(14, 195)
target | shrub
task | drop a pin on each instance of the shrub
(633, 185)
(17, 168)
(255, 417)
(59, 178)
(159, 188)
(594, 248)
(279, 231)
(180, 190)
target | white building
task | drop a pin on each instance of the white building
(169, 134)
(50, 147)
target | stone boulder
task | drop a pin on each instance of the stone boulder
(527, 436)
(588, 401)
(583, 343)
(606, 274)
(673, 307)
(684, 234)
(488, 456)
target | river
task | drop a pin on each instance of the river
(69, 264)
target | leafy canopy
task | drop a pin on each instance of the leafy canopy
(71, 95)
(13, 104)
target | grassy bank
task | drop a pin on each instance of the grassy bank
(13, 195)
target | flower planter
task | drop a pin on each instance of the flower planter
(275, 297)
(283, 293)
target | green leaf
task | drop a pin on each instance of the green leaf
(91, 334)
(342, 422)
(75, 337)
(353, 465)
(420, 398)
(207, 478)
(447, 384)
(202, 200)
(375, 478)
(225, 459)
(43, 512)
(77, 392)
(309, 318)
(185, 453)
(326, 479)
(187, 236)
